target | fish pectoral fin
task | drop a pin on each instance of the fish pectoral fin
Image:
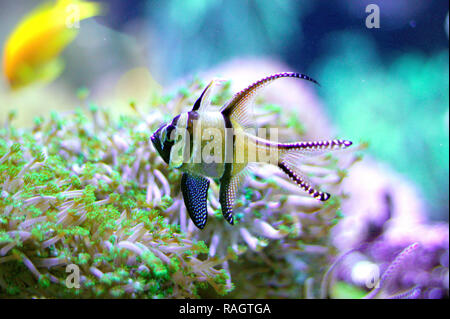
(229, 186)
(204, 100)
(46, 73)
(51, 70)
(195, 194)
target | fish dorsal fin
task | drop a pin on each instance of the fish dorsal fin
(239, 107)
(195, 195)
(204, 100)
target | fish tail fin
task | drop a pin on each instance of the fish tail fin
(84, 9)
(90, 9)
(301, 181)
(313, 148)
(291, 154)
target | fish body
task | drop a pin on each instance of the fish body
(32, 50)
(190, 159)
(205, 143)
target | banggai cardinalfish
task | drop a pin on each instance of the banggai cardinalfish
(182, 144)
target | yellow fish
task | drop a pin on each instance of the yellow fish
(32, 51)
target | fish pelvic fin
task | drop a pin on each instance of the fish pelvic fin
(239, 106)
(195, 195)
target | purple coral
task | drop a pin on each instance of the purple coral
(383, 215)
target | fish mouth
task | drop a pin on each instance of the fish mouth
(153, 138)
(157, 143)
